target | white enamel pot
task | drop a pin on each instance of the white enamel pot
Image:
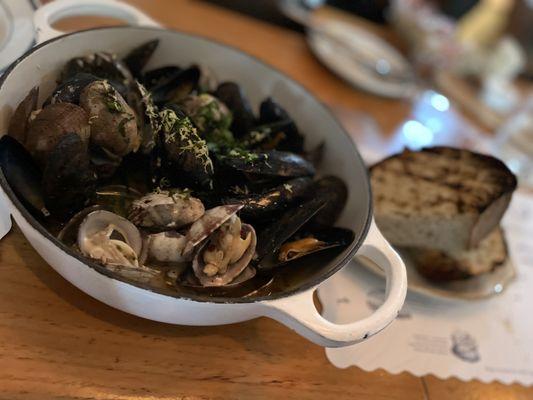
(293, 306)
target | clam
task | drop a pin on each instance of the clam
(167, 247)
(225, 254)
(112, 121)
(208, 223)
(51, 124)
(110, 239)
(166, 210)
(207, 113)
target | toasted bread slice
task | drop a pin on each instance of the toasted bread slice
(440, 266)
(440, 198)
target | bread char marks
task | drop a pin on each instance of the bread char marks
(442, 179)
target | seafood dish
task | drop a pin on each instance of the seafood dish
(168, 178)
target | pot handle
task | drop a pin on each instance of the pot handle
(299, 312)
(5, 216)
(46, 15)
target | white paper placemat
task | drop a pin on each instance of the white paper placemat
(486, 340)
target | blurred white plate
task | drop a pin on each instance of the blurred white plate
(351, 61)
(475, 288)
(16, 30)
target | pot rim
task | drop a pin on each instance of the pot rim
(307, 285)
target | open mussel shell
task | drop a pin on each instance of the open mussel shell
(335, 192)
(271, 238)
(310, 242)
(269, 112)
(103, 65)
(263, 205)
(22, 174)
(137, 58)
(18, 125)
(176, 88)
(233, 270)
(270, 164)
(324, 245)
(159, 76)
(69, 91)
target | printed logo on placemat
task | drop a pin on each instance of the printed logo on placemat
(464, 346)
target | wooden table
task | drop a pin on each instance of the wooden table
(58, 343)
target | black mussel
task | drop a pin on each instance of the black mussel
(208, 81)
(271, 238)
(270, 111)
(268, 136)
(103, 162)
(113, 122)
(137, 59)
(264, 205)
(103, 65)
(186, 156)
(177, 88)
(316, 154)
(233, 97)
(68, 181)
(69, 91)
(335, 193)
(159, 76)
(22, 174)
(18, 125)
(147, 116)
(51, 124)
(309, 242)
(268, 164)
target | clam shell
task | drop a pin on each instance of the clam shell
(233, 271)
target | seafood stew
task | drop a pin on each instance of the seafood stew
(169, 178)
